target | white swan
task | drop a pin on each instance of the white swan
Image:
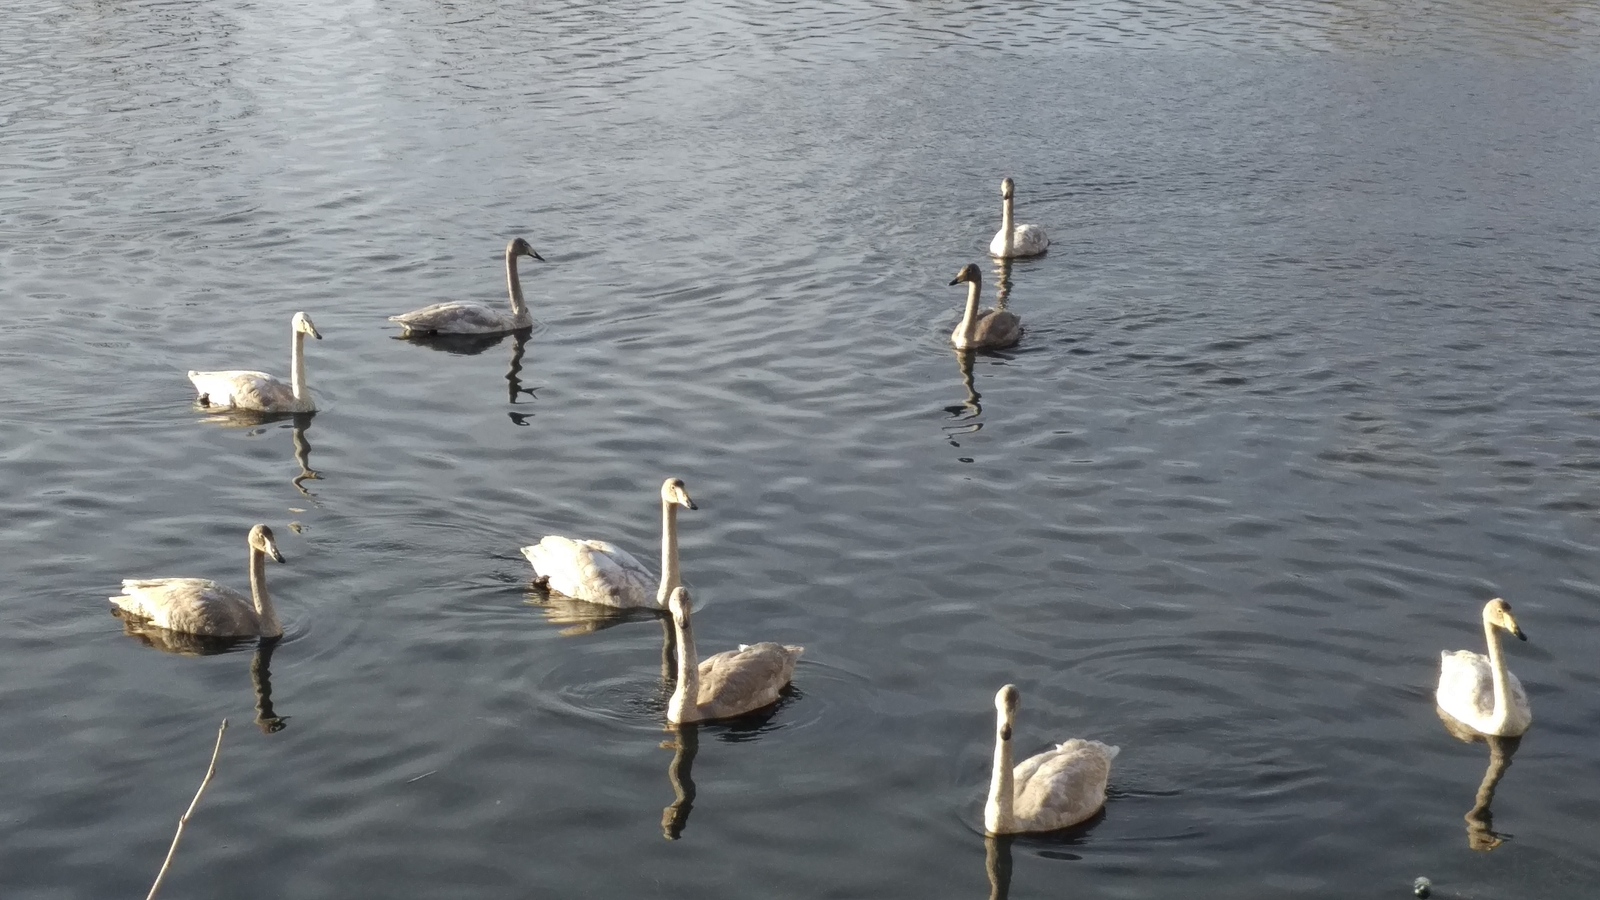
(475, 318)
(991, 329)
(728, 684)
(201, 606)
(1479, 691)
(601, 572)
(258, 391)
(1014, 240)
(1057, 788)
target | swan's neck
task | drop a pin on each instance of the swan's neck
(1501, 677)
(519, 308)
(685, 703)
(670, 576)
(997, 812)
(969, 319)
(297, 364)
(267, 616)
(1006, 226)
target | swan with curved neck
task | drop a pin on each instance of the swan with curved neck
(728, 684)
(1013, 240)
(475, 318)
(201, 606)
(989, 329)
(258, 391)
(1480, 691)
(601, 572)
(1060, 787)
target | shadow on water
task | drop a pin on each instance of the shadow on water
(1481, 835)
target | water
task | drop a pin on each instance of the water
(1309, 375)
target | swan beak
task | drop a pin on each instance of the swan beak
(690, 503)
(534, 253)
(1518, 632)
(955, 281)
(273, 552)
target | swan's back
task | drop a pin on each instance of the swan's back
(1466, 687)
(460, 318)
(1062, 786)
(996, 329)
(191, 605)
(739, 681)
(1026, 240)
(592, 571)
(242, 389)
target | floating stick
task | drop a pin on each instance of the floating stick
(171, 851)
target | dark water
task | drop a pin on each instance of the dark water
(1310, 373)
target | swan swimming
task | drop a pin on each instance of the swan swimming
(601, 572)
(258, 391)
(1060, 787)
(1479, 691)
(991, 329)
(1015, 240)
(730, 683)
(475, 318)
(201, 606)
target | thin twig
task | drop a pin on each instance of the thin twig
(171, 851)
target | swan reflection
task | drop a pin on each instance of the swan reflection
(965, 414)
(997, 862)
(474, 344)
(1481, 835)
(267, 718)
(685, 744)
(579, 617)
(258, 422)
(183, 644)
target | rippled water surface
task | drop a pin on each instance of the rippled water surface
(1310, 373)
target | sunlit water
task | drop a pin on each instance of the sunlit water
(1309, 375)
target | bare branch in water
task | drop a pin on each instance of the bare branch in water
(172, 851)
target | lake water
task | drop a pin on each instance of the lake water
(1310, 374)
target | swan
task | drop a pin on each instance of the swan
(991, 329)
(1479, 691)
(600, 572)
(201, 606)
(1015, 240)
(1054, 789)
(728, 684)
(258, 391)
(475, 318)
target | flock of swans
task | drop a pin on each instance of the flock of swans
(1055, 789)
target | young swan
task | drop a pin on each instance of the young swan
(1479, 691)
(991, 329)
(1057, 788)
(201, 606)
(601, 572)
(1015, 240)
(258, 391)
(475, 318)
(728, 684)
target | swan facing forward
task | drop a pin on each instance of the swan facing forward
(1014, 240)
(258, 391)
(201, 606)
(475, 318)
(601, 572)
(989, 329)
(728, 684)
(1479, 691)
(1057, 788)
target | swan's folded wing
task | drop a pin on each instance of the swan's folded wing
(192, 605)
(997, 328)
(241, 389)
(455, 318)
(746, 679)
(595, 571)
(1063, 786)
(1466, 685)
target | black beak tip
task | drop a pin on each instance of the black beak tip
(693, 505)
(1520, 635)
(279, 557)
(954, 282)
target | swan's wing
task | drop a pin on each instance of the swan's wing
(1466, 686)
(1062, 786)
(456, 318)
(593, 571)
(1026, 240)
(241, 389)
(191, 605)
(746, 679)
(997, 328)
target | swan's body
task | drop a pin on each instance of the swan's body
(989, 329)
(1480, 691)
(1054, 789)
(728, 684)
(601, 572)
(1013, 240)
(258, 391)
(475, 318)
(201, 606)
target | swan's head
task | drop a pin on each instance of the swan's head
(520, 247)
(302, 325)
(1007, 189)
(969, 274)
(1498, 613)
(678, 604)
(261, 539)
(673, 492)
(1005, 703)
